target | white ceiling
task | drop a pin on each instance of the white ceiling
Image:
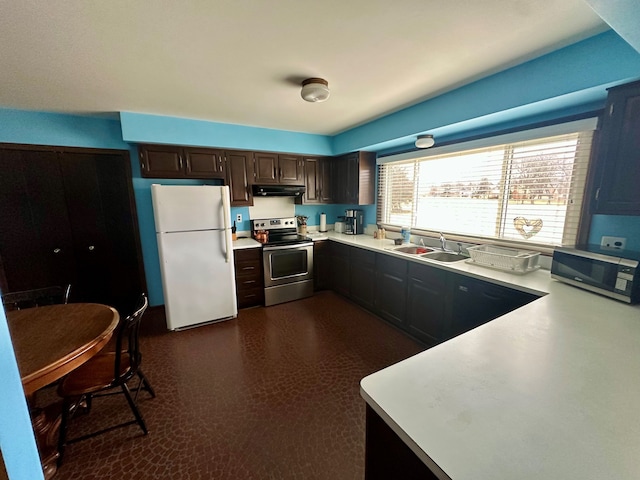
(241, 62)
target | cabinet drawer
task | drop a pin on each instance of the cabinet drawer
(246, 269)
(243, 283)
(391, 265)
(248, 255)
(363, 256)
(250, 297)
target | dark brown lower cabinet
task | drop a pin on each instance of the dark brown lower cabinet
(68, 215)
(387, 456)
(391, 288)
(476, 302)
(340, 268)
(362, 284)
(322, 265)
(249, 277)
(429, 303)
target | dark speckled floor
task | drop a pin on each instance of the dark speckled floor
(273, 394)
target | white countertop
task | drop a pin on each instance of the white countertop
(242, 243)
(548, 391)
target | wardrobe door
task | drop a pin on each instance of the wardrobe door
(104, 229)
(36, 247)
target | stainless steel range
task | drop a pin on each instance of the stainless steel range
(287, 258)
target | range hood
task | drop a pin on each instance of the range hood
(278, 190)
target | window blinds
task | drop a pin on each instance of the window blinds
(524, 191)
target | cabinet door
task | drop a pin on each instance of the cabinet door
(158, 161)
(391, 288)
(619, 153)
(362, 279)
(290, 171)
(476, 302)
(204, 163)
(266, 168)
(322, 264)
(339, 180)
(340, 268)
(325, 183)
(428, 312)
(239, 167)
(311, 181)
(36, 246)
(352, 178)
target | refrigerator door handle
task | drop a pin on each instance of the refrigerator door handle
(227, 223)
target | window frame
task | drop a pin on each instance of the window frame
(590, 121)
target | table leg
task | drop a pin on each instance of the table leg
(46, 426)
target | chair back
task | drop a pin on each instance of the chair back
(127, 342)
(36, 298)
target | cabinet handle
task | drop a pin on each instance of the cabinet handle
(598, 194)
(248, 268)
(180, 161)
(247, 282)
(611, 108)
(463, 288)
(92, 248)
(142, 166)
(57, 250)
(250, 295)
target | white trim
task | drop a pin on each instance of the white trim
(521, 136)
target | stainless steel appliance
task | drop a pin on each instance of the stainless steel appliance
(288, 261)
(354, 222)
(598, 270)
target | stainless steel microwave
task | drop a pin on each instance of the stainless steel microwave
(598, 272)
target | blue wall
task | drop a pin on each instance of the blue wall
(16, 436)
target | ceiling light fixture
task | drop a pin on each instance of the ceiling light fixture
(425, 141)
(315, 90)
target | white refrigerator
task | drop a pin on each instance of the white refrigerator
(193, 227)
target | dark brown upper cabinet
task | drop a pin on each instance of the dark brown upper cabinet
(161, 161)
(317, 180)
(353, 178)
(274, 168)
(240, 176)
(618, 154)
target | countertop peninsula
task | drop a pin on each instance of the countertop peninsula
(548, 391)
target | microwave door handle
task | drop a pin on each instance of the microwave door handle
(227, 221)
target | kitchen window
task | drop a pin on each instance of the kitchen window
(522, 188)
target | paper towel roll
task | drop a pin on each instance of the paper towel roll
(323, 222)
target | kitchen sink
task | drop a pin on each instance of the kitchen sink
(413, 250)
(443, 256)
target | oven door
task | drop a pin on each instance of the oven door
(287, 264)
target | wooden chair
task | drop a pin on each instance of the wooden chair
(36, 298)
(106, 372)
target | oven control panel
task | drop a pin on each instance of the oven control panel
(274, 223)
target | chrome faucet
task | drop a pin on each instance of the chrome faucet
(442, 242)
(422, 242)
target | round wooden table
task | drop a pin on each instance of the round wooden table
(50, 342)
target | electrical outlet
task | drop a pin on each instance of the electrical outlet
(239, 217)
(613, 243)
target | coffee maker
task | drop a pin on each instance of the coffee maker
(354, 222)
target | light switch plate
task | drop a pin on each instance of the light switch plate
(239, 217)
(613, 243)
